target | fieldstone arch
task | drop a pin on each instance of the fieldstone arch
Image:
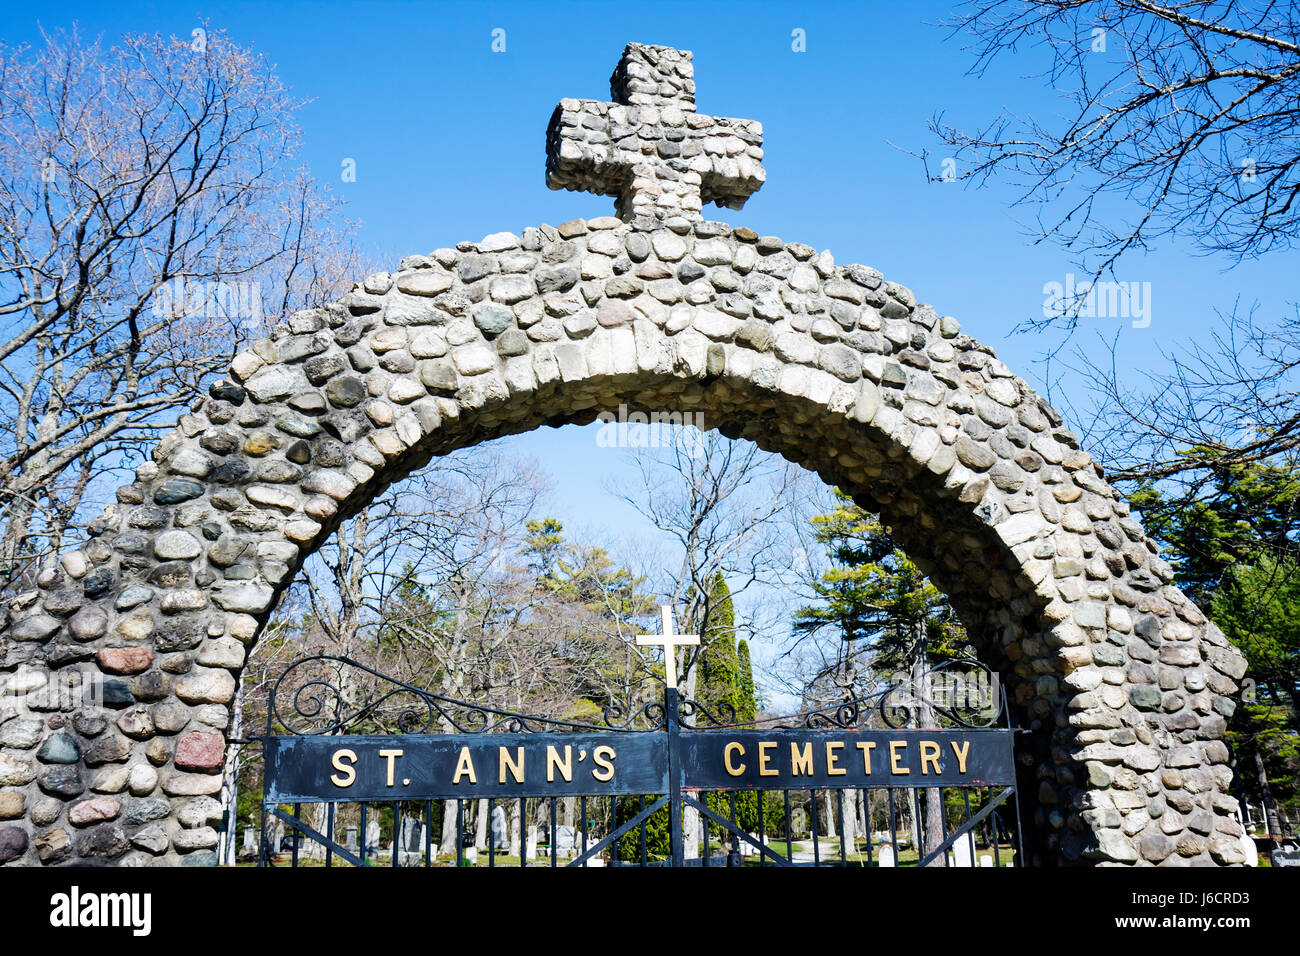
(1122, 684)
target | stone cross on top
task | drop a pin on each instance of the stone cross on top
(649, 148)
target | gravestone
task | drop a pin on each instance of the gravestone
(500, 829)
(250, 841)
(372, 837)
(887, 856)
(350, 840)
(1285, 856)
(411, 851)
(531, 850)
(987, 860)
(963, 851)
(564, 840)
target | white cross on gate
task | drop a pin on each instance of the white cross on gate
(669, 642)
(650, 148)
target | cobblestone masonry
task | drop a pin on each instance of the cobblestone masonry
(1123, 684)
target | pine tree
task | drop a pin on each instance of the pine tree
(746, 696)
(875, 594)
(717, 684)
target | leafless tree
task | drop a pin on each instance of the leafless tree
(724, 507)
(1233, 402)
(152, 216)
(1186, 111)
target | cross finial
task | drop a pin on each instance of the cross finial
(649, 147)
(669, 642)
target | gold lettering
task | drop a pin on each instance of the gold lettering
(604, 757)
(763, 757)
(962, 753)
(930, 755)
(894, 757)
(866, 746)
(801, 762)
(832, 754)
(391, 756)
(516, 766)
(348, 770)
(464, 767)
(727, 751)
(553, 761)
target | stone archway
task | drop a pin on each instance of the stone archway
(1123, 684)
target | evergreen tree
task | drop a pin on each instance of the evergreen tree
(874, 594)
(544, 544)
(1233, 549)
(746, 696)
(717, 684)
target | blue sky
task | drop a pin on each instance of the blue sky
(448, 140)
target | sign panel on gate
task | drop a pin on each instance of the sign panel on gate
(437, 766)
(808, 759)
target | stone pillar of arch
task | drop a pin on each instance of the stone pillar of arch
(1121, 684)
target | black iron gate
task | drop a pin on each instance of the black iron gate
(356, 737)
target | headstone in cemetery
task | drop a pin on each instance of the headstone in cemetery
(411, 851)
(350, 840)
(372, 837)
(532, 843)
(886, 856)
(987, 860)
(1285, 856)
(250, 840)
(963, 851)
(500, 829)
(564, 840)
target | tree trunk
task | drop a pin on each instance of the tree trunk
(447, 842)
(849, 826)
(933, 831)
(230, 781)
(481, 825)
(691, 816)
(1266, 793)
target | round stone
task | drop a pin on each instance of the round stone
(59, 748)
(125, 660)
(196, 751)
(13, 843)
(142, 780)
(12, 805)
(88, 623)
(95, 810)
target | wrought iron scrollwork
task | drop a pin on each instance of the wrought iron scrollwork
(320, 705)
(902, 703)
(386, 704)
(689, 710)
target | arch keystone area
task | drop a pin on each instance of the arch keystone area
(1122, 684)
